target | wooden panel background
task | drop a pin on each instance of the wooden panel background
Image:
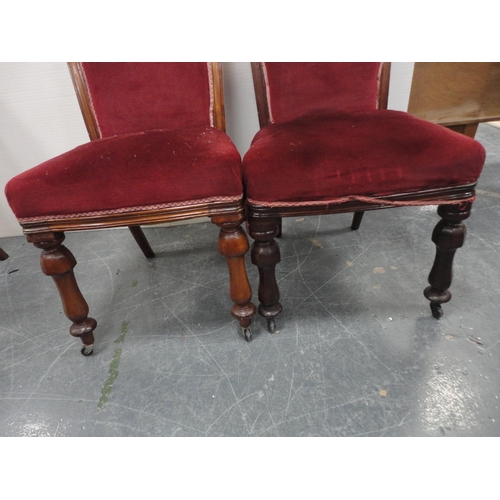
(455, 93)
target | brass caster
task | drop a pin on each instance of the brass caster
(87, 350)
(437, 310)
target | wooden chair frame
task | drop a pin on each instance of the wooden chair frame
(264, 223)
(57, 261)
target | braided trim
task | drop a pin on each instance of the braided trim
(117, 211)
(363, 199)
(211, 91)
(91, 102)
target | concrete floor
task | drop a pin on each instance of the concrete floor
(357, 352)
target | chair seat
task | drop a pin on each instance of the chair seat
(324, 157)
(131, 172)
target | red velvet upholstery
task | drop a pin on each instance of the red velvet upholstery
(131, 97)
(381, 152)
(158, 147)
(296, 89)
(130, 171)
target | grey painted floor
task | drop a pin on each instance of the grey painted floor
(357, 351)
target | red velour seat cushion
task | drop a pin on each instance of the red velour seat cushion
(131, 172)
(320, 157)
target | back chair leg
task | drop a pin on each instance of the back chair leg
(142, 241)
(265, 255)
(356, 220)
(233, 244)
(57, 261)
(280, 230)
(448, 235)
(3, 254)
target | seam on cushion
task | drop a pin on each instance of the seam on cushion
(222, 199)
(142, 132)
(268, 93)
(211, 91)
(91, 101)
(363, 199)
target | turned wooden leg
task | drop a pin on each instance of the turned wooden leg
(280, 228)
(265, 255)
(3, 254)
(57, 261)
(448, 235)
(356, 220)
(233, 244)
(142, 241)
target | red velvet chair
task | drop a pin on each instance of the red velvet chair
(158, 153)
(328, 144)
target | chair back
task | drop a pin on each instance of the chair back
(120, 98)
(286, 91)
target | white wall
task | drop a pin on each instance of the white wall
(40, 117)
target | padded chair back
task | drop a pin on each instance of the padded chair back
(297, 89)
(121, 98)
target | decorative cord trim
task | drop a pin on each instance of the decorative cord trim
(118, 211)
(211, 91)
(91, 102)
(363, 199)
(268, 93)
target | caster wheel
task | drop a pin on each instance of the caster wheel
(247, 333)
(271, 325)
(437, 310)
(87, 350)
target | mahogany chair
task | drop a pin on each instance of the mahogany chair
(158, 153)
(328, 144)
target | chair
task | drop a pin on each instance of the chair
(327, 144)
(158, 153)
(3, 254)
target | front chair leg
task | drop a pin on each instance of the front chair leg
(57, 261)
(448, 235)
(265, 255)
(233, 244)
